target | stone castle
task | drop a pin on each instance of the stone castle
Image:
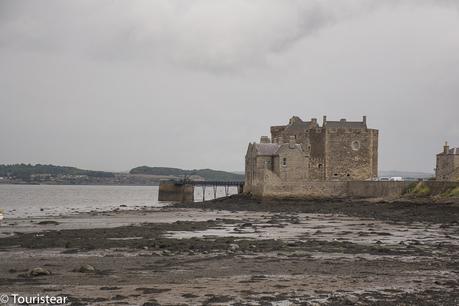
(305, 151)
(447, 164)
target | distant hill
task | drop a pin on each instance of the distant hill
(207, 174)
(406, 174)
(25, 171)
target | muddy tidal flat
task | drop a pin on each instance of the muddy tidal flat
(240, 251)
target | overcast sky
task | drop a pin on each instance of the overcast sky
(111, 85)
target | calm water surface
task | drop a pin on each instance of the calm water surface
(20, 201)
(45, 200)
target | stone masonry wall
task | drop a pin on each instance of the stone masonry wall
(447, 167)
(370, 189)
(273, 187)
(172, 192)
(296, 167)
(316, 139)
(349, 154)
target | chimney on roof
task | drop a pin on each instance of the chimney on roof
(291, 142)
(324, 120)
(446, 148)
(365, 120)
(265, 139)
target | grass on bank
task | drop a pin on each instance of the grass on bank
(419, 189)
(453, 193)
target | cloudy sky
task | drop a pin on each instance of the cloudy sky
(188, 83)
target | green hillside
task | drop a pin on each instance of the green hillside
(24, 171)
(207, 174)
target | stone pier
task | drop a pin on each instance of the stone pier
(175, 191)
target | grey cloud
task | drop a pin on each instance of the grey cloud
(102, 85)
(203, 34)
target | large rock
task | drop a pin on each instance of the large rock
(233, 246)
(351, 299)
(39, 272)
(86, 269)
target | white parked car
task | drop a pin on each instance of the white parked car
(396, 179)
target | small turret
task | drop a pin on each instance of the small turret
(446, 148)
(324, 120)
(364, 120)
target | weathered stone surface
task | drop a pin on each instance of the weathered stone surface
(447, 164)
(39, 272)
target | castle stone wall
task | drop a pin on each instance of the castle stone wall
(296, 164)
(350, 154)
(330, 189)
(272, 187)
(369, 189)
(316, 139)
(339, 150)
(447, 167)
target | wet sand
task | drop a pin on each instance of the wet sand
(240, 251)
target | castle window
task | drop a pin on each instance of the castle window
(284, 161)
(355, 145)
(336, 174)
(348, 174)
(320, 166)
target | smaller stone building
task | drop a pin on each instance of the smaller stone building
(287, 161)
(447, 164)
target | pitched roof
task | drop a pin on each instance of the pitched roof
(268, 149)
(272, 149)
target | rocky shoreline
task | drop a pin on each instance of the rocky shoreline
(241, 251)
